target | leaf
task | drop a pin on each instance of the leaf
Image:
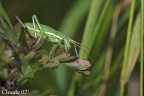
(28, 71)
(69, 59)
(86, 72)
(134, 47)
(2, 46)
(3, 73)
(61, 57)
(44, 59)
(7, 32)
(29, 56)
(21, 79)
(51, 65)
(4, 14)
(78, 64)
(17, 29)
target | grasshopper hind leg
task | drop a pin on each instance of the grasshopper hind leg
(35, 21)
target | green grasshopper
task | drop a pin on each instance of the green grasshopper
(42, 31)
(36, 30)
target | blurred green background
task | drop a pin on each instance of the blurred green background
(81, 20)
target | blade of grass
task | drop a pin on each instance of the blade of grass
(134, 47)
(72, 87)
(141, 43)
(103, 28)
(126, 53)
(96, 75)
(89, 33)
(110, 50)
(117, 63)
(4, 14)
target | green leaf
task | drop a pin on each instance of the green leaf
(134, 47)
(4, 14)
(51, 65)
(8, 33)
(28, 71)
(4, 73)
(21, 79)
(86, 72)
(2, 46)
(127, 49)
(17, 29)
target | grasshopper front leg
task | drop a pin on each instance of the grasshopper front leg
(76, 51)
(53, 50)
(57, 45)
(65, 41)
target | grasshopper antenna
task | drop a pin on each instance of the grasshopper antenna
(20, 21)
(27, 34)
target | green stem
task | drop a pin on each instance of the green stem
(141, 59)
(126, 53)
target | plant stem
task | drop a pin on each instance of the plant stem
(141, 59)
(126, 53)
